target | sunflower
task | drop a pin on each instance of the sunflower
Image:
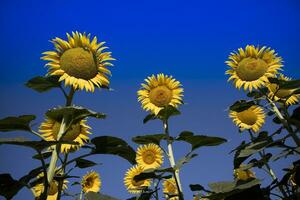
(149, 156)
(77, 132)
(38, 189)
(159, 92)
(91, 182)
(243, 175)
(283, 94)
(170, 188)
(133, 186)
(79, 61)
(251, 118)
(250, 68)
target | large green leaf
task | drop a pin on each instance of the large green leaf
(146, 139)
(292, 84)
(199, 140)
(241, 105)
(43, 83)
(74, 113)
(83, 163)
(149, 117)
(97, 196)
(115, 146)
(167, 112)
(16, 123)
(184, 160)
(8, 186)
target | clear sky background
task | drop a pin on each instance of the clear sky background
(190, 40)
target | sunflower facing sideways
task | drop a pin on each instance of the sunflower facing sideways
(243, 175)
(170, 188)
(38, 189)
(149, 156)
(91, 182)
(135, 187)
(77, 132)
(251, 67)
(283, 94)
(79, 61)
(160, 91)
(251, 118)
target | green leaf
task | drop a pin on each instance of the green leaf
(149, 117)
(292, 84)
(74, 113)
(237, 161)
(8, 186)
(254, 148)
(45, 155)
(196, 187)
(114, 146)
(16, 123)
(184, 160)
(43, 83)
(145, 175)
(199, 140)
(146, 139)
(167, 112)
(97, 196)
(83, 163)
(241, 105)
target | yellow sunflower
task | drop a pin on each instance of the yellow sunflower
(133, 186)
(149, 156)
(170, 188)
(251, 118)
(244, 175)
(79, 61)
(91, 182)
(250, 68)
(283, 94)
(159, 92)
(77, 133)
(38, 189)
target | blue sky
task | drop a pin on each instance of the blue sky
(189, 39)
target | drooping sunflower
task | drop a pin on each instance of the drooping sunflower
(91, 182)
(77, 132)
(79, 61)
(251, 67)
(170, 188)
(283, 94)
(159, 92)
(244, 175)
(38, 189)
(133, 186)
(251, 118)
(149, 156)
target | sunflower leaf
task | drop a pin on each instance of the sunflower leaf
(184, 160)
(293, 84)
(74, 113)
(167, 112)
(8, 186)
(149, 117)
(45, 155)
(43, 83)
(241, 105)
(83, 163)
(114, 146)
(146, 139)
(97, 196)
(199, 140)
(16, 123)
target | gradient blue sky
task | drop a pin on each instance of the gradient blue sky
(188, 39)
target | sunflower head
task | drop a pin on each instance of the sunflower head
(79, 61)
(243, 175)
(160, 91)
(91, 182)
(283, 94)
(251, 118)
(133, 186)
(170, 188)
(38, 189)
(149, 156)
(77, 132)
(251, 67)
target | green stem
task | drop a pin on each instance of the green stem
(61, 181)
(44, 194)
(171, 158)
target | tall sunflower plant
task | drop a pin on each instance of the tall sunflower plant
(269, 94)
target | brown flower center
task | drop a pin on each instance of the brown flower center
(72, 133)
(160, 96)
(250, 69)
(89, 182)
(137, 183)
(247, 116)
(149, 157)
(281, 93)
(79, 63)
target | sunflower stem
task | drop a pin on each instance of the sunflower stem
(171, 158)
(284, 122)
(61, 181)
(44, 194)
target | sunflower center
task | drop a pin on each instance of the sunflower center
(282, 93)
(79, 63)
(160, 96)
(53, 189)
(149, 157)
(247, 116)
(89, 182)
(72, 133)
(250, 69)
(137, 183)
